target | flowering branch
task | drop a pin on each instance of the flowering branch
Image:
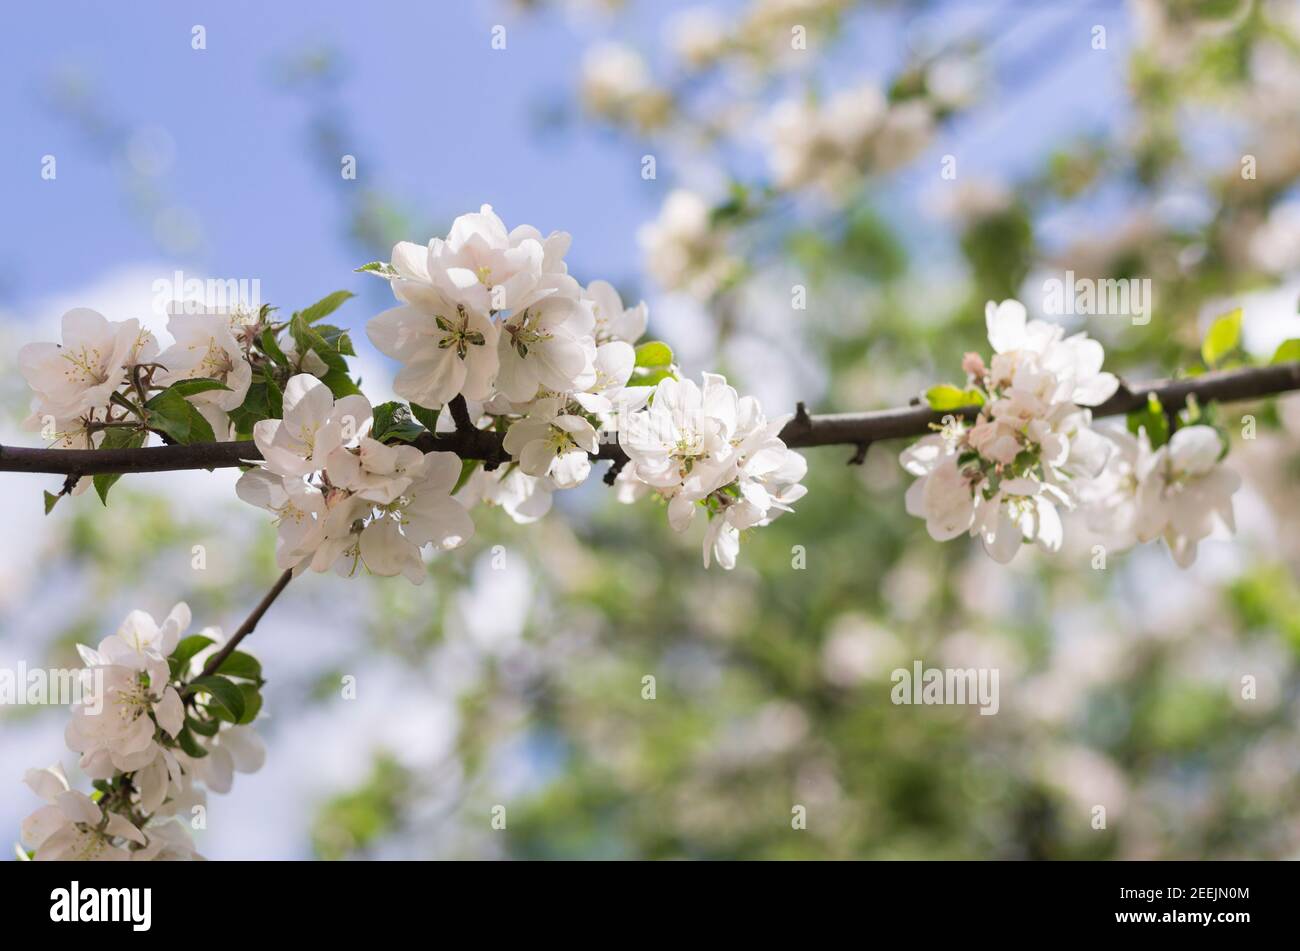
(804, 431)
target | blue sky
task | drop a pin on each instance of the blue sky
(435, 115)
(439, 118)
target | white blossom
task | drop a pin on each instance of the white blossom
(84, 371)
(1184, 493)
(523, 497)
(206, 347)
(313, 426)
(683, 251)
(72, 827)
(1007, 478)
(446, 347)
(550, 442)
(613, 321)
(374, 471)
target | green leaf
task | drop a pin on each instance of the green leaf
(380, 268)
(340, 384)
(274, 398)
(227, 698)
(252, 702)
(325, 306)
(190, 745)
(254, 409)
(428, 418)
(306, 338)
(945, 396)
(644, 377)
(198, 384)
(241, 666)
(271, 347)
(337, 338)
(203, 727)
(1224, 336)
(170, 412)
(654, 353)
(186, 651)
(393, 421)
(51, 500)
(467, 467)
(1152, 419)
(1288, 351)
(117, 438)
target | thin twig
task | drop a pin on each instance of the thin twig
(216, 660)
(804, 431)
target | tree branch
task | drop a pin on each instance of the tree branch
(804, 431)
(250, 622)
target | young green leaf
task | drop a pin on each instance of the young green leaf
(51, 500)
(271, 347)
(198, 384)
(325, 306)
(654, 353)
(1151, 418)
(378, 268)
(252, 702)
(203, 727)
(186, 650)
(274, 398)
(945, 396)
(1223, 338)
(1287, 352)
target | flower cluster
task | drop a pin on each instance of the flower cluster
(149, 729)
(343, 499)
(491, 317)
(1178, 492)
(706, 446)
(856, 130)
(1032, 453)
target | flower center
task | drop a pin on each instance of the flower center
(458, 334)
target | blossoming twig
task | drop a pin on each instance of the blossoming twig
(827, 429)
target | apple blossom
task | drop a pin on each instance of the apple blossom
(1184, 493)
(613, 320)
(85, 370)
(139, 749)
(446, 347)
(549, 345)
(205, 347)
(1007, 477)
(553, 443)
(313, 426)
(523, 497)
(374, 471)
(72, 826)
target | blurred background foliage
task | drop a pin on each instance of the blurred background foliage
(516, 676)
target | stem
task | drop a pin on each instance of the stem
(804, 431)
(250, 622)
(460, 413)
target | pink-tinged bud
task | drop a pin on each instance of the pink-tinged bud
(973, 364)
